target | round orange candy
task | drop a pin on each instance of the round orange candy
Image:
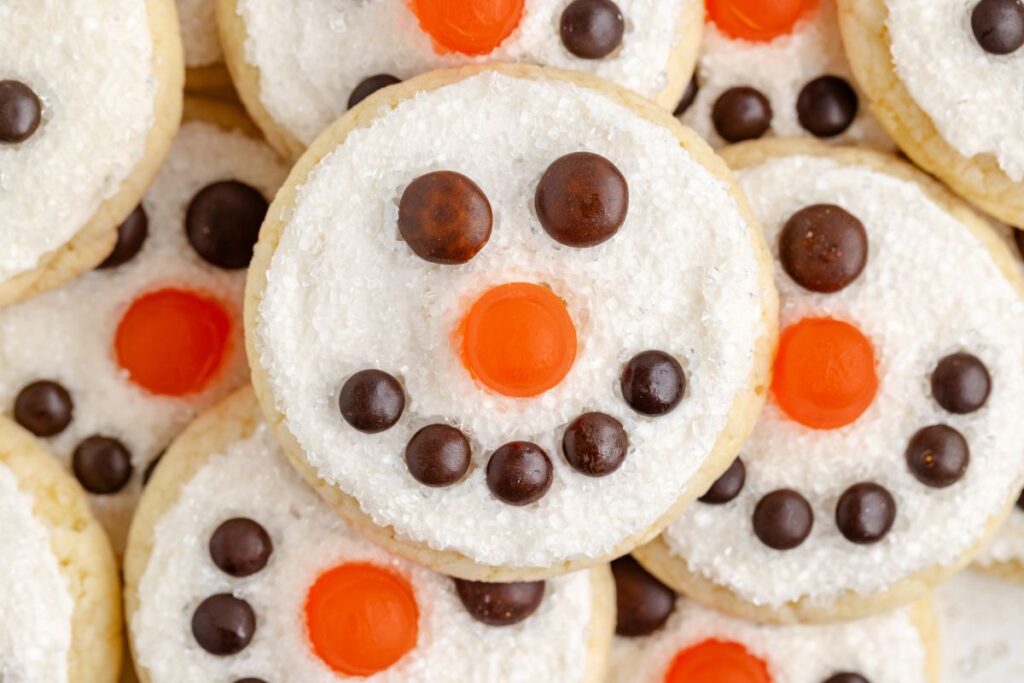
(172, 342)
(759, 21)
(825, 374)
(361, 618)
(472, 27)
(518, 339)
(716, 661)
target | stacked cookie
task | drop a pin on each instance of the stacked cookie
(512, 376)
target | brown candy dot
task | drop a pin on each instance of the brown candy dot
(500, 604)
(846, 677)
(250, 680)
(653, 383)
(223, 223)
(741, 113)
(240, 547)
(130, 236)
(826, 106)
(1018, 236)
(938, 456)
(582, 199)
(438, 455)
(865, 513)
(823, 248)
(20, 112)
(371, 401)
(519, 473)
(595, 444)
(1020, 500)
(688, 97)
(223, 624)
(44, 408)
(961, 383)
(783, 519)
(644, 603)
(102, 464)
(592, 29)
(998, 25)
(727, 486)
(444, 217)
(370, 85)
(147, 473)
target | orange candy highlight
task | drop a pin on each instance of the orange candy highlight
(825, 374)
(716, 661)
(518, 339)
(472, 27)
(172, 341)
(361, 618)
(759, 21)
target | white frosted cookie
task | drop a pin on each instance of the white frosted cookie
(299, 65)
(204, 59)
(942, 77)
(110, 367)
(889, 450)
(519, 351)
(775, 69)
(90, 97)
(236, 570)
(662, 638)
(60, 605)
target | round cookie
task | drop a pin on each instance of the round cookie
(300, 66)
(913, 58)
(574, 401)
(662, 638)
(61, 602)
(90, 97)
(887, 453)
(781, 72)
(110, 367)
(305, 598)
(204, 60)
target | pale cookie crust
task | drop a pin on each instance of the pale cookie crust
(745, 408)
(94, 241)
(246, 76)
(235, 419)
(978, 179)
(672, 570)
(83, 554)
(207, 80)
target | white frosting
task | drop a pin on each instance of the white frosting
(779, 70)
(974, 98)
(35, 631)
(884, 649)
(67, 335)
(1008, 545)
(91, 64)
(980, 621)
(344, 294)
(929, 289)
(253, 479)
(312, 54)
(199, 32)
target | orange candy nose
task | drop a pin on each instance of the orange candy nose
(716, 661)
(824, 373)
(173, 341)
(757, 20)
(518, 339)
(472, 27)
(361, 618)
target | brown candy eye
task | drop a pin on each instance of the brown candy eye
(938, 456)
(643, 603)
(444, 218)
(741, 114)
(961, 383)
(865, 513)
(653, 383)
(500, 604)
(371, 401)
(130, 236)
(688, 97)
(223, 223)
(223, 624)
(998, 25)
(370, 85)
(846, 677)
(519, 473)
(43, 408)
(827, 106)
(240, 547)
(582, 200)
(595, 444)
(783, 519)
(102, 464)
(592, 29)
(1018, 236)
(823, 248)
(727, 486)
(20, 112)
(438, 455)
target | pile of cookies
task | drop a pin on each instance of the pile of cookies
(499, 341)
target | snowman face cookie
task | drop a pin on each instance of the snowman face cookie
(913, 59)
(108, 369)
(236, 570)
(889, 448)
(509, 363)
(662, 638)
(61, 601)
(90, 97)
(775, 68)
(299, 65)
